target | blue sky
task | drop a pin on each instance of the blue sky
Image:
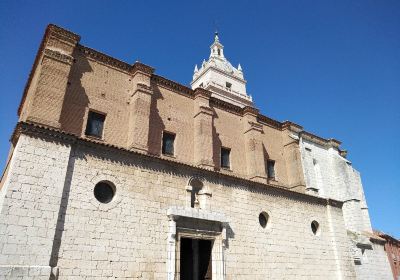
(331, 66)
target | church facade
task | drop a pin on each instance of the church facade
(115, 172)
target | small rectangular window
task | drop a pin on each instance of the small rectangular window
(168, 143)
(228, 85)
(271, 169)
(95, 124)
(225, 161)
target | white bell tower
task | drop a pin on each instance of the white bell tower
(221, 78)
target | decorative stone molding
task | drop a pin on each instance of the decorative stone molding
(268, 121)
(253, 126)
(174, 86)
(248, 110)
(220, 239)
(225, 106)
(199, 214)
(202, 92)
(291, 126)
(103, 58)
(63, 34)
(334, 143)
(204, 110)
(143, 88)
(64, 58)
(138, 66)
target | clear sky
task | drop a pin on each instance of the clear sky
(331, 66)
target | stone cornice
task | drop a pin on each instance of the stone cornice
(138, 66)
(202, 92)
(248, 110)
(319, 140)
(63, 34)
(292, 126)
(269, 121)
(218, 103)
(174, 86)
(310, 136)
(229, 95)
(387, 237)
(106, 59)
(37, 130)
(239, 79)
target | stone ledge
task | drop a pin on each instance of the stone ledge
(197, 214)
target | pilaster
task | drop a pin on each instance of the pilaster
(292, 156)
(140, 108)
(253, 145)
(203, 129)
(171, 247)
(45, 91)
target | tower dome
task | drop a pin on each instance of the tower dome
(220, 77)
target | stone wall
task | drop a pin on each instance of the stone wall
(29, 207)
(329, 175)
(374, 264)
(127, 238)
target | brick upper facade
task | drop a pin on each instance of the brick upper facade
(68, 80)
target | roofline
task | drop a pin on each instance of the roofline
(28, 128)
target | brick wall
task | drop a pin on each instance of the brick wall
(68, 80)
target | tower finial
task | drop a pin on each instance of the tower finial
(216, 38)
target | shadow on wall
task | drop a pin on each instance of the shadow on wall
(60, 226)
(156, 126)
(230, 234)
(217, 144)
(266, 158)
(76, 100)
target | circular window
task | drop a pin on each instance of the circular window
(263, 219)
(104, 192)
(315, 227)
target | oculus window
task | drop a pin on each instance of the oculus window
(104, 192)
